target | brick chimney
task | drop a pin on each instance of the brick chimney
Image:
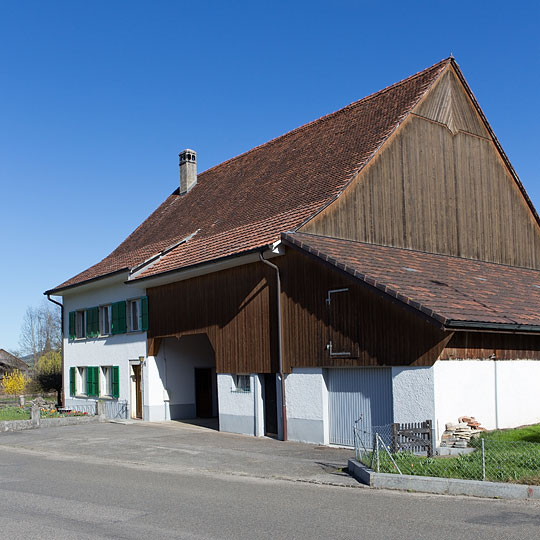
(188, 170)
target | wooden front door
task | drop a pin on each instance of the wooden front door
(138, 390)
(203, 392)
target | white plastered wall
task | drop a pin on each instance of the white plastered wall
(240, 412)
(306, 396)
(413, 394)
(498, 393)
(114, 350)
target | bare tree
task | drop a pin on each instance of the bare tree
(41, 330)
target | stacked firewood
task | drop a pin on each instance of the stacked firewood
(458, 435)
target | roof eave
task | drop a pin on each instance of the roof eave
(68, 288)
(208, 267)
(439, 320)
(479, 326)
(379, 288)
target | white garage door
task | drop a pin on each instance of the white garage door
(358, 393)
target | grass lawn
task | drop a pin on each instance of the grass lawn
(525, 434)
(511, 455)
(14, 413)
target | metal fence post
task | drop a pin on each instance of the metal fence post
(377, 450)
(483, 460)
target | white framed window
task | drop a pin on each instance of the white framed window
(134, 315)
(80, 381)
(105, 320)
(106, 381)
(80, 324)
(242, 383)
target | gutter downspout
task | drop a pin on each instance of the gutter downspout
(280, 355)
(62, 394)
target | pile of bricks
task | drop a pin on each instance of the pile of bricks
(458, 435)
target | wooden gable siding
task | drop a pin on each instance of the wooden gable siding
(236, 308)
(437, 191)
(448, 104)
(375, 330)
(482, 345)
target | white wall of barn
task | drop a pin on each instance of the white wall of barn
(306, 396)
(240, 412)
(498, 393)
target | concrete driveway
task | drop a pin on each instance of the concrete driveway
(170, 446)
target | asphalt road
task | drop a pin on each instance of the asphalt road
(67, 499)
(49, 494)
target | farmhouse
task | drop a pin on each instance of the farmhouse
(381, 263)
(9, 362)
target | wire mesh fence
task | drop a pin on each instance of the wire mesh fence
(485, 458)
(89, 409)
(116, 410)
(113, 409)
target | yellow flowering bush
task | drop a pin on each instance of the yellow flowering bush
(14, 383)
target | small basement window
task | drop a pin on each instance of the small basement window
(241, 383)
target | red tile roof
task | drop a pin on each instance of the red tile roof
(248, 201)
(451, 290)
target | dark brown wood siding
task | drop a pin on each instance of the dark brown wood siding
(481, 346)
(438, 185)
(236, 308)
(373, 329)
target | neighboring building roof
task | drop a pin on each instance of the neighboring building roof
(246, 202)
(454, 291)
(9, 361)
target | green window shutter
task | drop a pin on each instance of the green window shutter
(89, 381)
(71, 325)
(92, 322)
(118, 317)
(72, 384)
(95, 322)
(144, 313)
(115, 382)
(92, 381)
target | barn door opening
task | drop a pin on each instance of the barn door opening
(203, 393)
(270, 405)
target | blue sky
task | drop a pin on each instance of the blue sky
(97, 99)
